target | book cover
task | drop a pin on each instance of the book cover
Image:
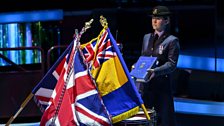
(141, 66)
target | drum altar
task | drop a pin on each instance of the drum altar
(140, 119)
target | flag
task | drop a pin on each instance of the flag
(113, 80)
(67, 95)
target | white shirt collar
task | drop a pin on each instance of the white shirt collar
(159, 33)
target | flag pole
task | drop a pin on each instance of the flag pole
(20, 109)
(104, 23)
(145, 111)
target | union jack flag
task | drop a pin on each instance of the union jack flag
(89, 50)
(67, 94)
(100, 48)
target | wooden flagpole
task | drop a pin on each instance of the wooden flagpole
(145, 111)
(20, 109)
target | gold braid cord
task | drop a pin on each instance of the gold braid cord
(69, 72)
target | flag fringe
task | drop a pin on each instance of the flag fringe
(125, 115)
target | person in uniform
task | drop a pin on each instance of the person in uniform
(157, 91)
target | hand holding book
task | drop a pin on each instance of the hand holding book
(152, 74)
(143, 69)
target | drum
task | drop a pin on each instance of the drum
(140, 119)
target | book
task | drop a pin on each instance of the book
(140, 68)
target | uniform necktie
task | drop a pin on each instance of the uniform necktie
(155, 38)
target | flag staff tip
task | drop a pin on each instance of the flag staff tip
(103, 21)
(88, 24)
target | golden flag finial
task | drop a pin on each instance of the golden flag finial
(103, 21)
(88, 24)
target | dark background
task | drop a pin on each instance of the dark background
(198, 24)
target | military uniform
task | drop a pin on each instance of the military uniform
(157, 92)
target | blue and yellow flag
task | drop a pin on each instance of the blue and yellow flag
(112, 77)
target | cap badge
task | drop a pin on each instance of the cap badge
(155, 11)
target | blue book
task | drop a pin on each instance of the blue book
(140, 68)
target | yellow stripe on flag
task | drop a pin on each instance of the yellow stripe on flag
(110, 76)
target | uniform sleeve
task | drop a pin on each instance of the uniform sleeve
(170, 65)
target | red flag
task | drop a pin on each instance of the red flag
(73, 99)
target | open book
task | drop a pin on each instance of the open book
(140, 68)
